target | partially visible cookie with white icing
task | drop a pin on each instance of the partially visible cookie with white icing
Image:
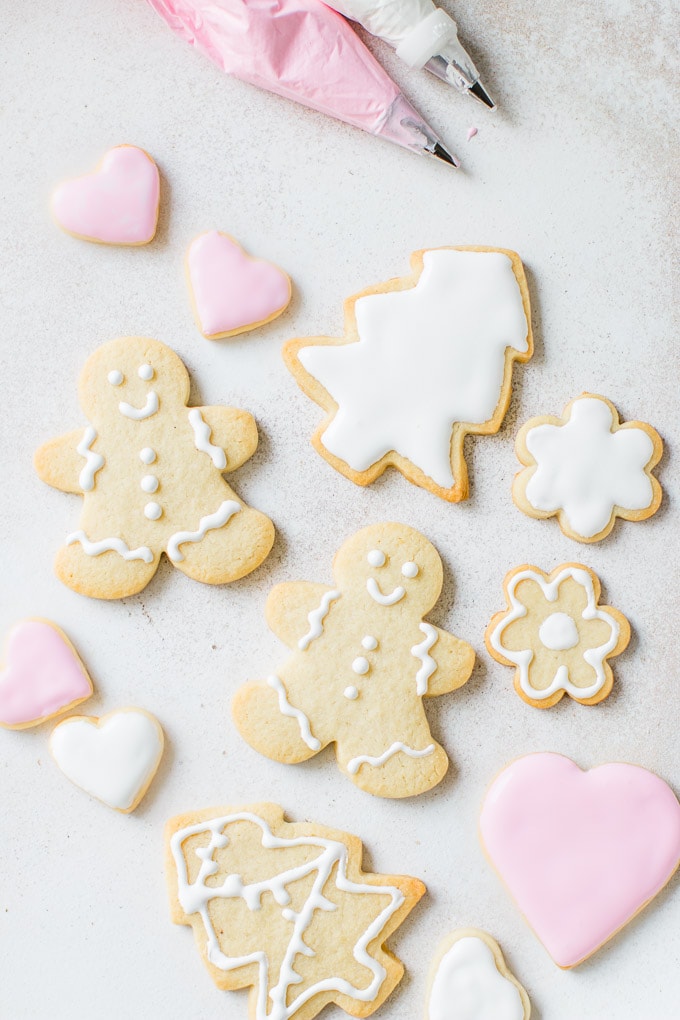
(587, 468)
(469, 980)
(426, 359)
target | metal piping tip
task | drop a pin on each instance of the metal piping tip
(479, 92)
(441, 153)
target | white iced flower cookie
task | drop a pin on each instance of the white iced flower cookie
(426, 360)
(113, 758)
(285, 909)
(587, 468)
(557, 635)
(363, 659)
(150, 470)
(469, 980)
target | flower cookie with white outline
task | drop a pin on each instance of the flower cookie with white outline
(470, 980)
(285, 909)
(426, 360)
(150, 470)
(557, 635)
(363, 658)
(587, 468)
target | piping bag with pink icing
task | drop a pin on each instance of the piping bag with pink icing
(302, 50)
(581, 852)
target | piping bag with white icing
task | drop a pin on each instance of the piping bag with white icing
(303, 50)
(423, 36)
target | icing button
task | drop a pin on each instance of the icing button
(351, 693)
(149, 483)
(369, 643)
(361, 666)
(152, 511)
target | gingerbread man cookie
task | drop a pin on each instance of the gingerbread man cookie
(150, 471)
(363, 660)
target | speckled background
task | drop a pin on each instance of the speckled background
(576, 172)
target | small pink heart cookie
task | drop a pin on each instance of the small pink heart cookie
(116, 204)
(232, 292)
(42, 677)
(581, 852)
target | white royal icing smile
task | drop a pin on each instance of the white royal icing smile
(427, 357)
(354, 764)
(202, 433)
(376, 594)
(94, 461)
(272, 1000)
(140, 413)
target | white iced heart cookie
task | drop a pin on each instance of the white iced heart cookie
(587, 468)
(426, 360)
(113, 758)
(470, 981)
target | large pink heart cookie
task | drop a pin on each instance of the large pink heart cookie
(231, 291)
(43, 675)
(581, 852)
(117, 204)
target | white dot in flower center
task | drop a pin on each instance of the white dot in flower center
(152, 511)
(369, 643)
(145, 372)
(115, 377)
(351, 693)
(149, 483)
(376, 558)
(558, 632)
(361, 666)
(410, 569)
(147, 455)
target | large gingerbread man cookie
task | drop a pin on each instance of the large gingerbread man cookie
(363, 660)
(150, 471)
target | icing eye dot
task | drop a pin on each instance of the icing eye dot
(145, 372)
(152, 511)
(376, 558)
(115, 377)
(369, 643)
(149, 483)
(147, 455)
(361, 666)
(351, 693)
(410, 569)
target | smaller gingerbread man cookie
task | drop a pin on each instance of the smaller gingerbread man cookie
(363, 660)
(587, 468)
(150, 470)
(470, 980)
(557, 635)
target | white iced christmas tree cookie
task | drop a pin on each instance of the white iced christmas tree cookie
(426, 359)
(150, 471)
(363, 660)
(285, 909)
(587, 468)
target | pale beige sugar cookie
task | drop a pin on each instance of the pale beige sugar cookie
(587, 468)
(557, 635)
(426, 359)
(470, 980)
(363, 658)
(285, 909)
(150, 471)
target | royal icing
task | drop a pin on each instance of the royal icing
(580, 852)
(557, 632)
(351, 693)
(145, 372)
(586, 468)
(233, 292)
(316, 617)
(113, 759)
(202, 433)
(427, 357)
(42, 675)
(274, 999)
(354, 764)
(153, 511)
(361, 666)
(147, 455)
(422, 652)
(285, 708)
(94, 462)
(117, 204)
(140, 413)
(369, 643)
(468, 986)
(149, 483)
(382, 598)
(109, 545)
(211, 522)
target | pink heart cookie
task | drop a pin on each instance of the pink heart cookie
(116, 204)
(43, 675)
(580, 852)
(232, 292)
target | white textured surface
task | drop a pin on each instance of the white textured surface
(574, 172)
